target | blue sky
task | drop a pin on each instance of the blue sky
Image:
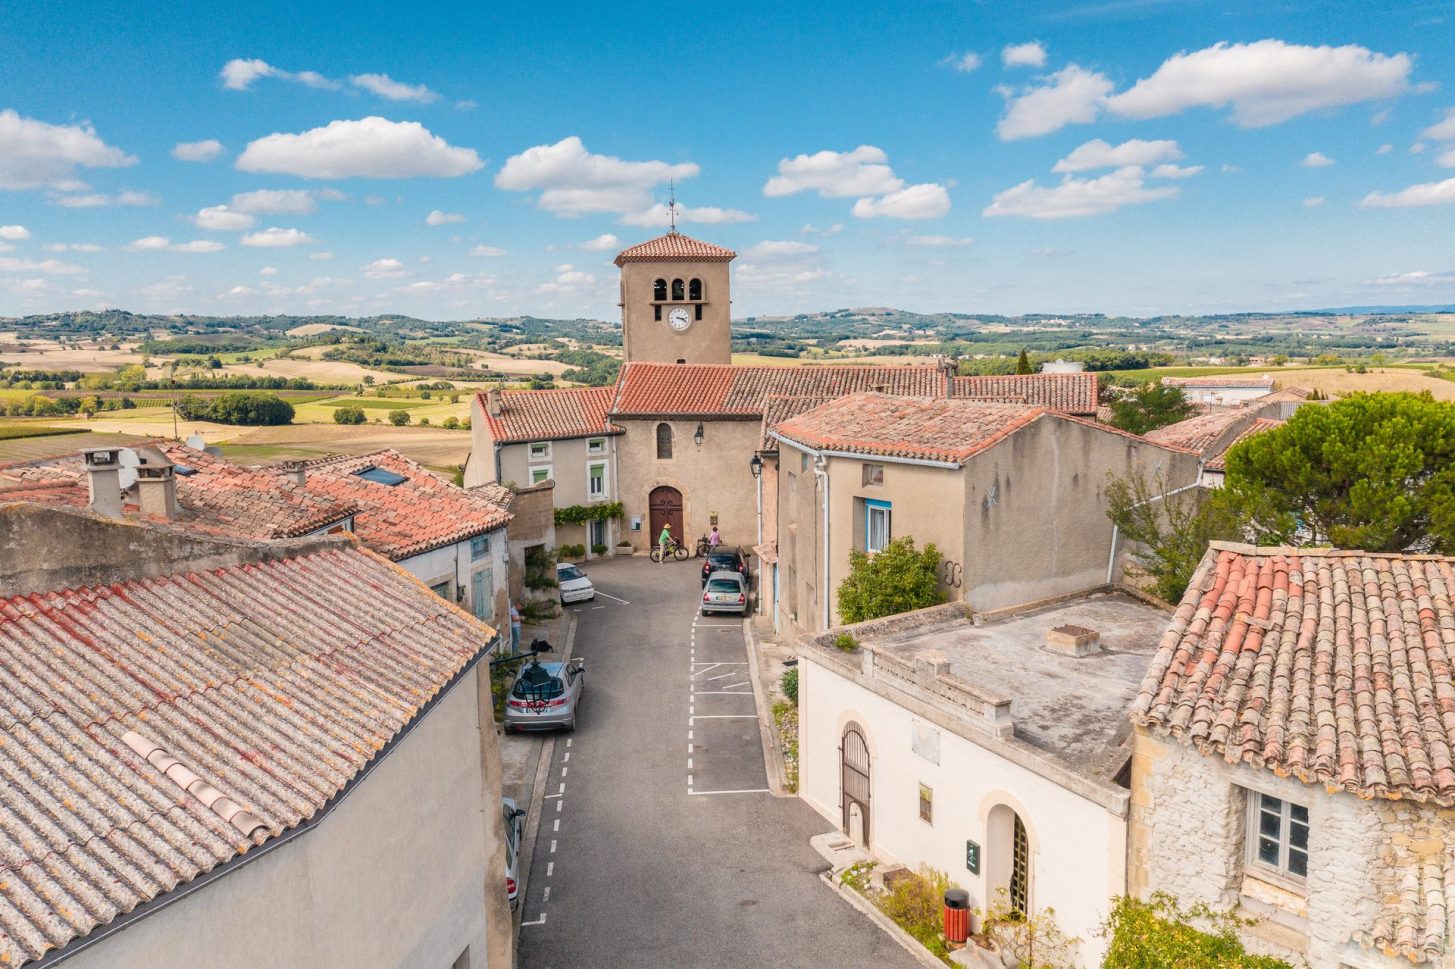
(1124, 156)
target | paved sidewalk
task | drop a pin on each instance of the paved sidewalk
(520, 753)
(771, 656)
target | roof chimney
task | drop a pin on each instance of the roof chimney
(156, 487)
(493, 402)
(1075, 641)
(296, 472)
(103, 473)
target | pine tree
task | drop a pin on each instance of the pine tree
(1023, 364)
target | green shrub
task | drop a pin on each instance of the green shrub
(424, 422)
(598, 549)
(846, 642)
(538, 611)
(348, 415)
(450, 423)
(916, 903)
(1158, 934)
(399, 417)
(899, 578)
(788, 682)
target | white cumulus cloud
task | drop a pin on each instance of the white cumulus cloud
(1099, 154)
(220, 218)
(835, 174)
(148, 244)
(779, 265)
(602, 243)
(483, 250)
(1175, 171)
(276, 238)
(962, 62)
(276, 201)
(1077, 198)
(34, 154)
(1425, 193)
(1446, 159)
(389, 89)
(927, 201)
(658, 216)
(778, 249)
(239, 74)
(1418, 277)
(1072, 95)
(1316, 159)
(1313, 201)
(1265, 82)
(437, 217)
(1442, 131)
(1384, 149)
(197, 151)
(370, 147)
(97, 200)
(1029, 54)
(573, 181)
(386, 269)
(163, 244)
(14, 233)
(54, 267)
(941, 242)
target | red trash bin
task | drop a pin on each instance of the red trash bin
(957, 915)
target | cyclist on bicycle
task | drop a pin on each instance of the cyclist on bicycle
(664, 541)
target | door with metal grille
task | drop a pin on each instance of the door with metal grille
(854, 782)
(1020, 870)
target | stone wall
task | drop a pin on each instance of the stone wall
(534, 523)
(1374, 865)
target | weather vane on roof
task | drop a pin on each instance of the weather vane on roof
(672, 203)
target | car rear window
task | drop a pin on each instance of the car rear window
(536, 683)
(723, 558)
(723, 585)
(569, 572)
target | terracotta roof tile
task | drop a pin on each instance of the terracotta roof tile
(1218, 461)
(1068, 393)
(778, 408)
(1334, 667)
(1416, 893)
(545, 415)
(1201, 432)
(274, 684)
(932, 429)
(422, 512)
(674, 246)
(217, 497)
(723, 390)
(1263, 380)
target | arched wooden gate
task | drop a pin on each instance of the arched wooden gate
(854, 781)
(665, 507)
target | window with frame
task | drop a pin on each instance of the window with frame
(1020, 868)
(540, 451)
(479, 547)
(873, 474)
(803, 461)
(876, 525)
(1278, 835)
(537, 475)
(596, 445)
(441, 589)
(596, 480)
(926, 804)
(664, 441)
(482, 594)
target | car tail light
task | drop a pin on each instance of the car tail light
(742, 598)
(704, 597)
(517, 704)
(510, 886)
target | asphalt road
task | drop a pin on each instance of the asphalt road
(659, 851)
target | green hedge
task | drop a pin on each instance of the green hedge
(581, 514)
(245, 408)
(1158, 934)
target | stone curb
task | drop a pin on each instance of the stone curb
(907, 941)
(767, 731)
(538, 789)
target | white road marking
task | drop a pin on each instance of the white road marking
(563, 771)
(724, 676)
(751, 790)
(557, 826)
(710, 668)
(612, 598)
(689, 782)
(563, 789)
(550, 868)
(549, 796)
(568, 741)
(539, 921)
(546, 895)
(559, 805)
(724, 693)
(727, 716)
(594, 608)
(723, 663)
(566, 757)
(553, 846)
(689, 733)
(689, 763)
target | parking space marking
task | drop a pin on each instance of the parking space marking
(553, 846)
(747, 790)
(550, 868)
(557, 826)
(546, 895)
(612, 598)
(727, 716)
(726, 692)
(539, 921)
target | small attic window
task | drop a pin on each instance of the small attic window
(381, 476)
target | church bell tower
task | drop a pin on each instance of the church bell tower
(674, 301)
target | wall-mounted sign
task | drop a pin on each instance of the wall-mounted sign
(636, 523)
(924, 740)
(972, 857)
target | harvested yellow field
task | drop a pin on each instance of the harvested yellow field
(322, 371)
(50, 356)
(501, 363)
(311, 329)
(1337, 382)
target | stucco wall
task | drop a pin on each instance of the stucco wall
(1188, 836)
(397, 875)
(1078, 848)
(800, 556)
(453, 563)
(712, 478)
(1035, 509)
(645, 338)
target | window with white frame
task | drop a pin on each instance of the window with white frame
(540, 451)
(876, 525)
(479, 547)
(596, 445)
(1278, 835)
(596, 480)
(537, 475)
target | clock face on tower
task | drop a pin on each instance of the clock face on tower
(679, 319)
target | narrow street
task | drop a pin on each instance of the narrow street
(659, 845)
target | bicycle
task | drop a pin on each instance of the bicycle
(679, 552)
(703, 546)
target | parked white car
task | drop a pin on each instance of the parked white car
(575, 587)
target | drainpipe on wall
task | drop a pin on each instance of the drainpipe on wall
(759, 482)
(820, 471)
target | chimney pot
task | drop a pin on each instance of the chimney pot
(156, 489)
(296, 472)
(493, 402)
(1074, 641)
(103, 475)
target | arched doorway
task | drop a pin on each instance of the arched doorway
(1008, 858)
(665, 507)
(854, 783)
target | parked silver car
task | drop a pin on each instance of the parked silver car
(545, 695)
(513, 820)
(725, 592)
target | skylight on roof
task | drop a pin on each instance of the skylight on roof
(381, 476)
(183, 470)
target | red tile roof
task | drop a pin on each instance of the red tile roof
(724, 390)
(1067, 393)
(1202, 432)
(674, 246)
(1334, 667)
(546, 415)
(1218, 462)
(218, 497)
(1259, 381)
(930, 429)
(423, 512)
(778, 408)
(274, 685)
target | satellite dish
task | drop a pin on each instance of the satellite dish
(196, 443)
(216, 452)
(129, 462)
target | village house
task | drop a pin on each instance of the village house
(992, 749)
(1213, 434)
(1222, 391)
(229, 753)
(1013, 497)
(1292, 754)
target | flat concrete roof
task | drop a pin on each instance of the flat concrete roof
(1073, 709)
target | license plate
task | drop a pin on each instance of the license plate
(725, 598)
